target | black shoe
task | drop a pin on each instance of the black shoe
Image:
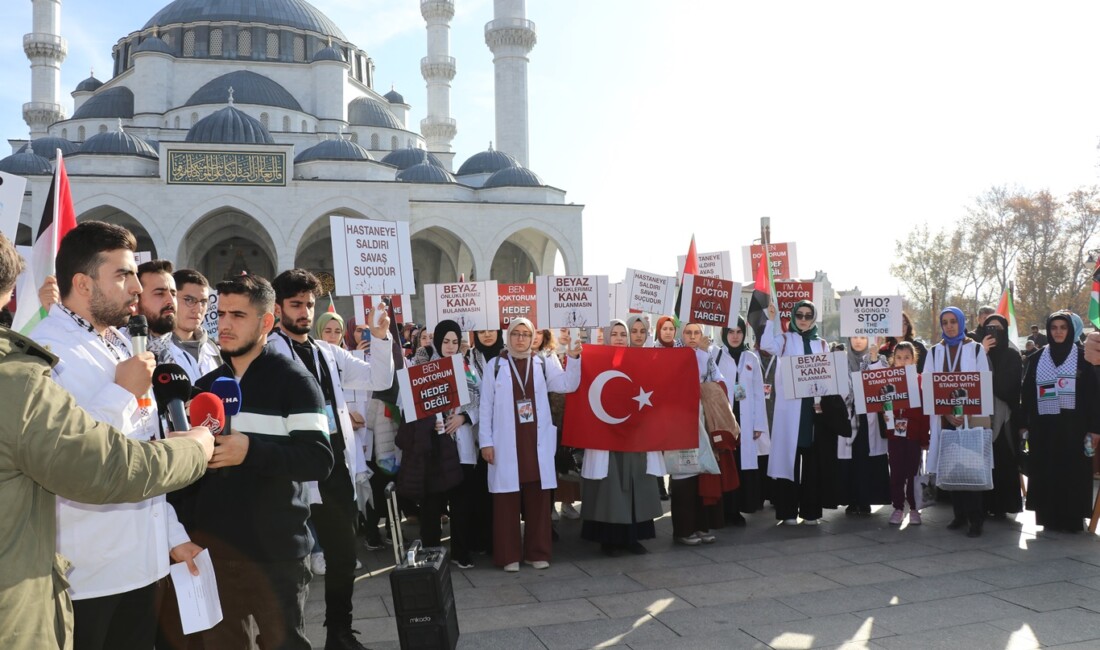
(975, 529)
(865, 510)
(343, 639)
(956, 524)
(851, 510)
(637, 549)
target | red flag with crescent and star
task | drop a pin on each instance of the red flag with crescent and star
(634, 399)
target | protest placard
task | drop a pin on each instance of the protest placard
(872, 389)
(650, 293)
(617, 301)
(711, 265)
(972, 391)
(572, 301)
(399, 304)
(473, 305)
(371, 257)
(871, 316)
(789, 292)
(433, 387)
(12, 188)
(782, 256)
(210, 320)
(709, 301)
(517, 301)
(814, 375)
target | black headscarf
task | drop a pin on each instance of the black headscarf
(441, 330)
(1004, 361)
(1060, 351)
(489, 351)
(736, 352)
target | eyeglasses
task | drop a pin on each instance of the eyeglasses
(520, 335)
(192, 301)
(804, 316)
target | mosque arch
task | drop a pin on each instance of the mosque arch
(539, 245)
(120, 217)
(227, 241)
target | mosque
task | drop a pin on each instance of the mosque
(230, 130)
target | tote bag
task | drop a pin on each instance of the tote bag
(966, 460)
(700, 460)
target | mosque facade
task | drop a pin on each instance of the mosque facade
(231, 130)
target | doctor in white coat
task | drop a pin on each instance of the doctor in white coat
(745, 389)
(518, 442)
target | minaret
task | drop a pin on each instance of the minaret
(510, 37)
(438, 68)
(46, 50)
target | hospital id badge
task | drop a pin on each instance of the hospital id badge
(738, 392)
(901, 426)
(767, 391)
(525, 409)
(332, 428)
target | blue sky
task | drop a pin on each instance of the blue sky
(846, 122)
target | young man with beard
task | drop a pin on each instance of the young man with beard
(252, 512)
(193, 350)
(118, 552)
(158, 304)
(334, 507)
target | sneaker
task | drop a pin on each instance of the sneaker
(809, 522)
(706, 538)
(554, 514)
(343, 639)
(569, 512)
(690, 540)
(317, 564)
(375, 545)
(914, 517)
(790, 522)
(465, 564)
(512, 567)
(539, 564)
(897, 517)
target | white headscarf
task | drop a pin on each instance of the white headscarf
(515, 322)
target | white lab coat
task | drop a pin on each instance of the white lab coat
(754, 412)
(119, 547)
(210, 359)
(784, 432)
(497, 424)
(972, 358)
(360, 374)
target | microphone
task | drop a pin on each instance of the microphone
(229, 392)
(139, 337)
(207, 411)
(172, 388)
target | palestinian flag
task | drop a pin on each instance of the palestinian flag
(691, 265)
(331, 304)
(58, 218)
(763, 293)
(1007, 309)
(1094, 300)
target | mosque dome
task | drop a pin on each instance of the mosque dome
(229, 126)
(365, 111)
(297, 14)
(25, 164)
(487, 162)
(117, 143)
(89, 85)
(405, 158)
(425, 172)
(111, 103)
(340, 149)
(47, 147)
(248, 88)
(513, 177)
(153, 44)
(330, 53)
(394, 97)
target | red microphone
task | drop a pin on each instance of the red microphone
(207, 410)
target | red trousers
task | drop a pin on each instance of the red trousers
(537, 544)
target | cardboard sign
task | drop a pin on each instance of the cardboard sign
(788, 293)
(142, 257)
(650, 293)
(12, 189)
(398, 303)
(709, 301)
(783, 258)
(973, 391)
(617, 301)
(371, 257)
(872, 389)
(517, 301)
(814, 375)
(473, 305)
(210, 320)
(433, 387)
(871, 316)
(572, 301)
(711, 265)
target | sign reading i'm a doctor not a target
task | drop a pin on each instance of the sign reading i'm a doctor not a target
(709, 301)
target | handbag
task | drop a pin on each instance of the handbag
(700, 460)
(924, 489)
(966, 460)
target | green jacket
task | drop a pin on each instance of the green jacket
(48, 447)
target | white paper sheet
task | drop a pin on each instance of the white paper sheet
(200, 608)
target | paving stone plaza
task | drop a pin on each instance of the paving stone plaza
(851, 582)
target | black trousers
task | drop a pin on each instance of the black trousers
(463, 508)
(126, 620)
(378, 482)
(968, 506)
(334, 520)
(800, 497)
(273, 593)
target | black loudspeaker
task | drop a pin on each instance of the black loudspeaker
(424, 601)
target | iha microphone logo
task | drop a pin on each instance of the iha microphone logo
(169, 377)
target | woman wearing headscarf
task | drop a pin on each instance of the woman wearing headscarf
(803, 454)
(887, 349)
(1004, 361)
(745, 389)
(637, 326)
(518, 441)
(861, 457)
(487, 346)
(665, 336)
(956, 353)
(1060, 411)
(620, 499)
(330, 328)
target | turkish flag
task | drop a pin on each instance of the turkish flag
(634, 399)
